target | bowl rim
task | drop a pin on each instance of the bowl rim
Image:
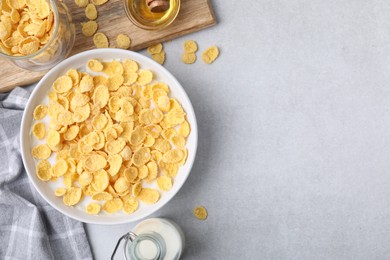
(25, 130)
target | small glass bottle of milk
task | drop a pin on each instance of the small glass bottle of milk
(153, 239)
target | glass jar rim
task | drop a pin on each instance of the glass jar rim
(56, 26)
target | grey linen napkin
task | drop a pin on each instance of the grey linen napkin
(29, 227)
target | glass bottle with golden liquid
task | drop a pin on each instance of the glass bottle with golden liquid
(142, 16)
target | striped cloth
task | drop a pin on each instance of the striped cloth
(29, 227)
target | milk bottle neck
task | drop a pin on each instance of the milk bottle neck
(147, 246)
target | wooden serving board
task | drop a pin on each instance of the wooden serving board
(194, 15)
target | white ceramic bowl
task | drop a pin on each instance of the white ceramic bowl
(39, 95)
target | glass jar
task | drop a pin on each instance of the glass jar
(140, 15)
(153, 239)
(56, 49)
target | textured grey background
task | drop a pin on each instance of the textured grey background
(294, 134)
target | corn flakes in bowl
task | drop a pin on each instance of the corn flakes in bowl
(108, 136)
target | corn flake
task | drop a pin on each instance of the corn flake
(153, 130)
(78, 100)
(59, 168)
(184, 159)
(5, 28)
(113, 83)
(148, 196)
(155, 49)
(164, 183)
(91, 12)
(190, 46)
(91, 138)
(156, 155)
(123, 41)
(131, 174)
(121, 185)
(39, 130)
(16, 4)
(144, 77)
(200, 212)
(163, 103)
(86, 83)
(112, 206)
(60, 192)
(179, 141)
(162, 145)
(65, 118)
(40, 112)
(85, 179)
(29, 45)
(145, 116)
(15, 16)
(126, 153)
(93, 208)
(136, 189)
(100, 180)
(173, 156)
(176, 116)
(68, 179)
(100, 144)
(130, 65)
(63, 101)
(115, 146)
(89, 28)
(95, 65)
(53, 139)
(114, 104)
(99, 2)
(81, 3)
(99, 122)
(74, 75)
(72, 196)
(43, 9)
(113, 68)
(102, 196)
(149, 141)
(159, 57)
(41, 151)
(43, 170)
(112, 191)
(141, 156)
(143, 172)
(168, 133)
(130, 205)
(168, 169)
(210, 54)
(89, 190)
(95, 162)
(188, 58)
(184, 129)
(101, 41)
(63, 84)
(115, 162)
(71, 133)
(153, 171)
(137, 136)
(101, 96)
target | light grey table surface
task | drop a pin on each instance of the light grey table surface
(294, 134)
